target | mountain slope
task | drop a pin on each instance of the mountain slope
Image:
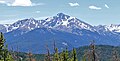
(64, 29)
(38, 38)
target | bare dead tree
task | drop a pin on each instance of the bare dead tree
(91, 54)
(115, 56)
(48, 54)
(30, 56)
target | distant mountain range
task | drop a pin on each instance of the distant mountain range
(33, 35)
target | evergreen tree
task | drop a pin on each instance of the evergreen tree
(2, 40)
(61, 57)
(55, 55)
(64, 55)
(4, 53)
(74, 55)
(84, 58)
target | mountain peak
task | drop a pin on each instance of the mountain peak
(59, 22)
(31, 18)
(114, 25)
(63, 16)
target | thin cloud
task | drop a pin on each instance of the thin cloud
(20, 3)
(107, 6)
(2, 1)
(73, 4)
(94, 7)
(37, 4)
(37, 12)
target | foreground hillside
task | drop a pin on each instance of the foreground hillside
(104, 53)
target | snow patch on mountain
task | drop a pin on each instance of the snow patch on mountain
(64, 43)
(61, 22)
(114, 27)
(6, 26)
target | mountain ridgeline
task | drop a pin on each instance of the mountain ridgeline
(65, 30)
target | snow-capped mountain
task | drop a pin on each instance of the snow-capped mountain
(66, 30)
(66, 23)
(60, 22)
(114, 27)
(25, 25)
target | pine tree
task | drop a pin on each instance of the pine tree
(2, 40)
(74, 55)
(4, 53)
(1, 45)
(64, 55)
(7, 56)
(60, 57)
(84, 58)
(55, 55)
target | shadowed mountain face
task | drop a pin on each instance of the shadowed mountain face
(33, 35)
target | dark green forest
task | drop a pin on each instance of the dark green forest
(104, 52)
(85, 53)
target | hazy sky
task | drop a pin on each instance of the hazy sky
(94, 12)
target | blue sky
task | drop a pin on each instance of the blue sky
(94, 12)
